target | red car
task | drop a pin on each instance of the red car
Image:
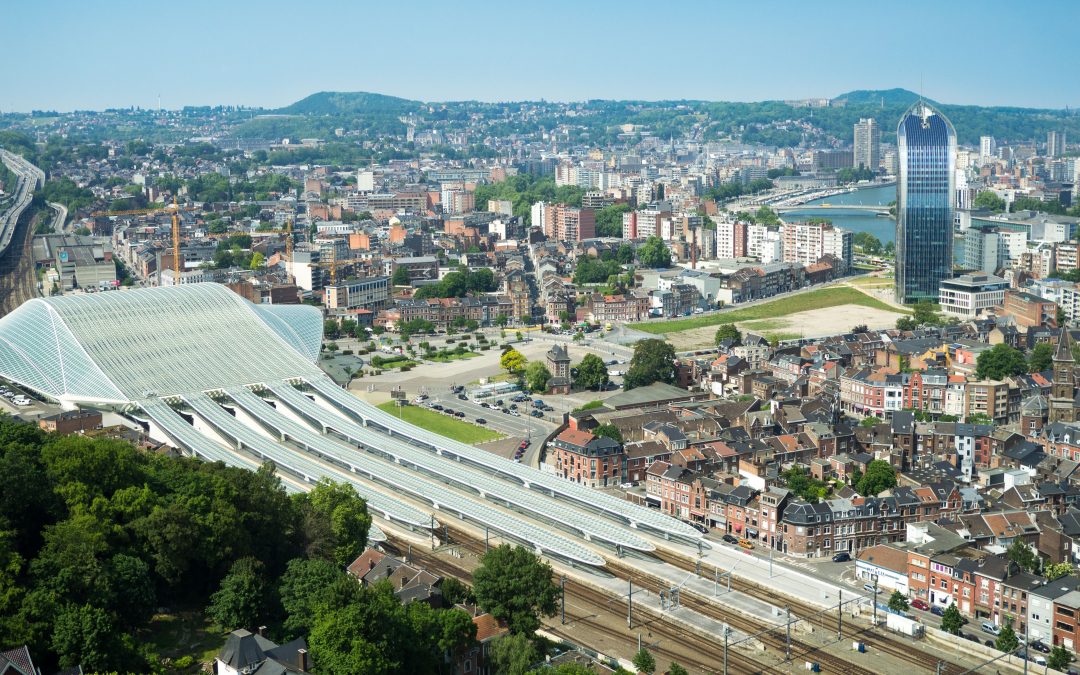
(920, 604)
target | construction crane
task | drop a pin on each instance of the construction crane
(174, 209)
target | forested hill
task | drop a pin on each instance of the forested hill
(349, 103)
(597, 122)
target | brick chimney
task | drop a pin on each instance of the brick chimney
(262, 631)
(302, 660)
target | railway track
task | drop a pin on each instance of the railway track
(825, 620)
(694, 649)
(17, 281)
(591, 613)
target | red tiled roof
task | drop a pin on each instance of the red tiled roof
(576, 437)
(487, 627)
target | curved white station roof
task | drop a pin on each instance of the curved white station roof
(123, 346)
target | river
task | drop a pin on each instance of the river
(884, 228)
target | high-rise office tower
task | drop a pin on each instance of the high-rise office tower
(926, 143)
(867, 144)
(987, 148)
(1055, 143)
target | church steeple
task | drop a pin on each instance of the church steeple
(1063, 387)
(1064, 348)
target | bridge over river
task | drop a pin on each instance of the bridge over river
(880, 210)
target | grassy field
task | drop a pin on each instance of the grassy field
(441, 424)
(819, 299)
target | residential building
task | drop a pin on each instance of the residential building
(867, 144)
(591, 460)
(806, 243)
(343, 297)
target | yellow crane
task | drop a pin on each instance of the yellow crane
(174, 209)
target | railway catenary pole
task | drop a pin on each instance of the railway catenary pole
(787, 625)
(840, 615)
(630, 606)
(563, 584)
(727, 631)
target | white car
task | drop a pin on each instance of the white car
(21, 401)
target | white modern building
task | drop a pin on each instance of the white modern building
(971, 295)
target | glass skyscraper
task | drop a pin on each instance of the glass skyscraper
(926, 143)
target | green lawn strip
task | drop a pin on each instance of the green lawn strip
(802, 302)
(441, 424)
(447, 358)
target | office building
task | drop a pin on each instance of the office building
(926, 143)
(867, 144)
(970, 295)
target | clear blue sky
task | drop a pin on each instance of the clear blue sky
(82, 54)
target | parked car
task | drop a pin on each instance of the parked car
(485, 404)
(970, 636)
(919, 603)
(524, 444)
(869, 588)
(700, 528)
(438, 407)
(536, 413)
(499, 403)
(481, 420)
(843, 556)
(990, 627)
(513, 406)
(1039, 646)
(730, 538)
(462, 397)
(937, 610)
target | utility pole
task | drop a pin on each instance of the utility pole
(787, 647)
(630, 609)
(840, 613)
(874, 600)
(485, 539)
(726, 632)
(563, 584)
(770, 561)
(1027, 643)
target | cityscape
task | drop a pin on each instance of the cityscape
(613, 377)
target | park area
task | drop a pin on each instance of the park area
(439, 423)
(826, 311)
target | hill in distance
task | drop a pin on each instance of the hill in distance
(875, 97)
(349, 103)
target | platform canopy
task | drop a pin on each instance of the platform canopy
(117, 347)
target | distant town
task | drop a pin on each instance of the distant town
(825, 349)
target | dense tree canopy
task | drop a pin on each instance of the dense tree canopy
(1000, 361)
(459, 284)
(654, 253)
(609, 220)
(653, 361)
(1042, 357)
(512, 361)
(537, 376)
(728, 331)
(592, 373)
(590, 270)
(516, 586)
(988, 199)
(879, 476)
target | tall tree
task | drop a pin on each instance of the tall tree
(1042, 357)
(513, 654)
(880, 475)
(1000, 361)
(952, 620)
(515, 585)
(512, 361)
(898, 602)
(644, 661)
(609, 431)
(654, 253)
(346, 517)
(592, 373)
(1022, 554)
(242, 599)
(1006, 639)
(401, 276)
(537, 376)
(653, 361)
(1059, 658)
(302, 588)
(728, 331)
